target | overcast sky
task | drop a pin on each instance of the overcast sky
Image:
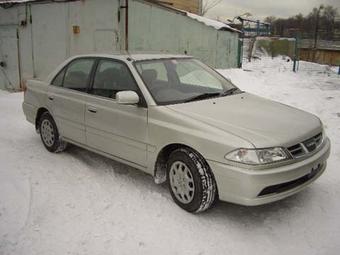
(263, 8)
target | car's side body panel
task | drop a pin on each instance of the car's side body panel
(120, 130)
(35, 98)
(68, 108)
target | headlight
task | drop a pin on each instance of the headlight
(257, 156)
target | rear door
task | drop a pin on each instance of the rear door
(119, 130)
(66, 98)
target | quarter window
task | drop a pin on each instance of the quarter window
(112, 77)
(58, 80)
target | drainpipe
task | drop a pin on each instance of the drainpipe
(127, 25)
(239, 52)
(19, 60)
(32, 43)
(126, 7)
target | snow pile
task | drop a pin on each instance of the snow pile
(210, 22)
(335, 69)
(78, 202)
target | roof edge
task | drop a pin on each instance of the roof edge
(204, 20)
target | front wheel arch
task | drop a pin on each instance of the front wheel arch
(161, 161)
(202, 184)
(162, 158)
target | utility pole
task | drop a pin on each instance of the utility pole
(317, 26)
(296, 52)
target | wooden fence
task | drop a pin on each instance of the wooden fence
(321, 56)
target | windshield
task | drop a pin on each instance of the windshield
(172, 81)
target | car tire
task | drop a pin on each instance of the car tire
(50, 135)
(191, 181)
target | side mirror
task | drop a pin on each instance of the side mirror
(127, 97)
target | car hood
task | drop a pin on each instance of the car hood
(262, 122)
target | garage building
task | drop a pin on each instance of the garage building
(37, 35)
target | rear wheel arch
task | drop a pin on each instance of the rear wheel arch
(40, 112)
(49, 133)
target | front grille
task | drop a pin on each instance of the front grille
(305, 147)
(282, 187)
(296, 150)
(312, 143)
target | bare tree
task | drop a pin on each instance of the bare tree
(270, 19)
(209, 4)
(328, 21)
(321, 22)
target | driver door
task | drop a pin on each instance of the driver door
(119, 130)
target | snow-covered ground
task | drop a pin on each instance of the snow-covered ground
(78, 202)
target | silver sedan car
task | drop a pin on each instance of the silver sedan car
(183, 123)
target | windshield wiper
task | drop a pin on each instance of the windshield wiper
(228, 92)
(203, 96)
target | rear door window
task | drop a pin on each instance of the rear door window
(78, 74)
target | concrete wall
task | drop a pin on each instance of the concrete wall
(46, 36)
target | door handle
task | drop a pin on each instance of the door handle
(92, 109)
(51, 98)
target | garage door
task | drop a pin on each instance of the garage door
(9, 69)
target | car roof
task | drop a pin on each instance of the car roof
(135, 57)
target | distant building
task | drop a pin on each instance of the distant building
(193, 6)
(38, 35)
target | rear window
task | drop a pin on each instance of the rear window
(78, 73)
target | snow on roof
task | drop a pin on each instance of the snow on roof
(15, 1)
(211, 23)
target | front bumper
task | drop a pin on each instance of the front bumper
(256, 187)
